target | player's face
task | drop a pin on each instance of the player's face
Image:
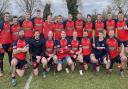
(111, 34)
(14, 20)
(49, 18)
(101, 35)
(38, 14)
(109, 16)
(59, 19)
(37, 34)
(99, 17)
(85, 34)
(74, 34)
(63, 34)
(88, 18)
(27, 15)
(50, 34)
(21, 34)
(79, 17)
(6, 17)
(70, 17)
(120, 17)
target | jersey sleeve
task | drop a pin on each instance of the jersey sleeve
(14, 44)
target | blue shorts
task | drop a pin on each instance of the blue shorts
(86, 59)
(56, 42)
(69, 39)
(66, 59)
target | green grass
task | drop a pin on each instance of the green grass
(68, 81)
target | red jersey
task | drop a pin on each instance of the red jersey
(98, 26)
(86, 46)
(74, 46)
(57, 31)
(48, 27)
(79, 25)
(110, 24)
(64, 48)
(113, 45)
(20, 44)
(122, 34)
(14, 31)
(89, 27)
(28, 28)
(69, 28)
(38, 24)
(5, 34)
(50, 46)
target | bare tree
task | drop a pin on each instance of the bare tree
(29, 5)
(3, 6)
(119, 5)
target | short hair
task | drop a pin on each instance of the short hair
(15, 17)
(6, 13)
(89, 15)
(101, 31)
(38, 10)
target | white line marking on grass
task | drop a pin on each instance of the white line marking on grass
(27, 85)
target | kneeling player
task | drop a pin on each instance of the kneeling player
(63, 54)
(20, 49)
(75, 51)
(51, 51)
(37, 49)
(114, 54)
(100, 51)
(88, 56)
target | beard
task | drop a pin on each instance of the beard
(21, 37)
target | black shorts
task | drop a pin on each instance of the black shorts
(125, 43)
(34, 63)
(21, 64)
(117, 59)
(100, 58)
(86, 59)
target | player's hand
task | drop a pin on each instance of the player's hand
(38, 59)
(61, 51)
(0, 45)
(93, 45)
(72, 51)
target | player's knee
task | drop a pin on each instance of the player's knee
(14, 62)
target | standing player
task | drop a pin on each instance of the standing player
(5, 40)
(37, 49)
(89, 26)
(51, 51)
(15, 29)
(75, 51)
(79, 25)
(69, 28)
(110, 23)
(48, 26)
(63, 54)
(100, 51)
(27, 25)
(20, 49)
(59, 27)
(122, 32)
(99, 25)
(38, 22)
(114, 54)
(87, 52)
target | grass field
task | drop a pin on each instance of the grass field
(67, 81)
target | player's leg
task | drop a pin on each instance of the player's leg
(35, 66)
(44, 63)
(86, 60)
(95, 62)
(55, 59)
(59, 66)
(14, 62)
(105, 61)
(1, 64)
(80, 59)
(70, 64)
